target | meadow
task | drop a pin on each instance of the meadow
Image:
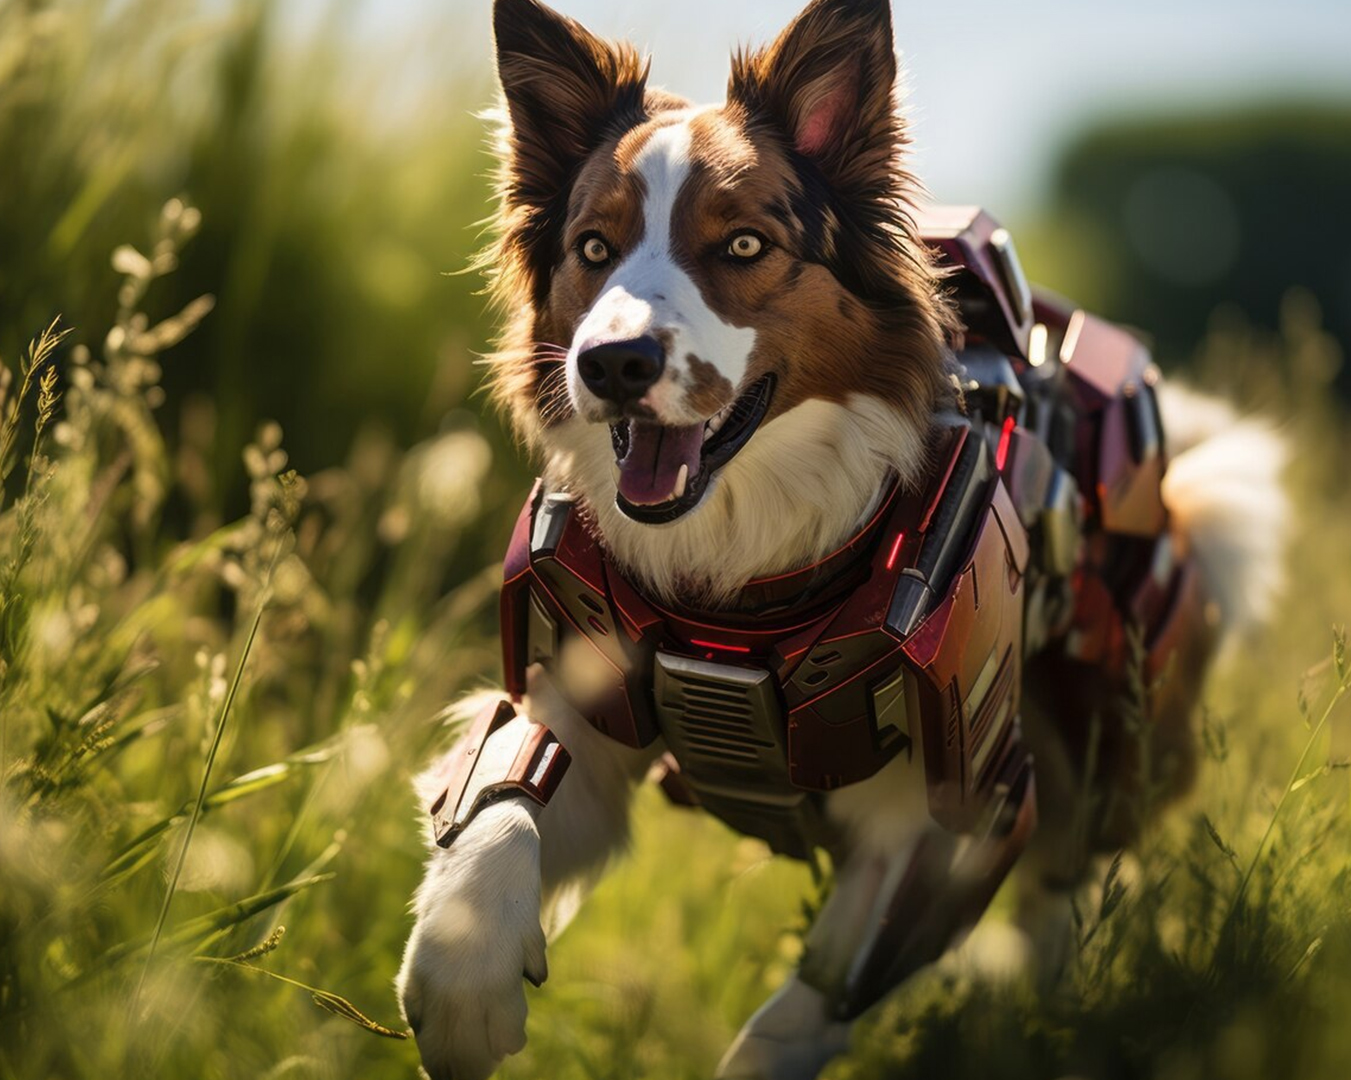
(225, 641)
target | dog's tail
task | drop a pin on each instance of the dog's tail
(1224, 491)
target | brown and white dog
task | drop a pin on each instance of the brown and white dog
(768, 235)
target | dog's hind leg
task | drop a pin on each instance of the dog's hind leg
(480, 905)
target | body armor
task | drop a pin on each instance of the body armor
(1040, 527)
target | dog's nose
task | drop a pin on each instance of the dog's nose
(621, 371)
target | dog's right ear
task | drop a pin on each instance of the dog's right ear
(828, 82)
(565, 89)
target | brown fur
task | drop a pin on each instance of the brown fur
(565, 90)
(709, 391)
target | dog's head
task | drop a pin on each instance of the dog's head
(720, 330)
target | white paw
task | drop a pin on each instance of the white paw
(790, 1037)
(477, 937)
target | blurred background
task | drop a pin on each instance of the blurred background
(1181, 167)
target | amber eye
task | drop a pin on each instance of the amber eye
(594, 250)
(745, 245)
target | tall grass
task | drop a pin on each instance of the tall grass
(339, 197)
(138, 780)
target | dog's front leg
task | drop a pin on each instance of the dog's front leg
(905, 888)
(478, 931)
(797, 1031)
(794, 1034)
(477, 935)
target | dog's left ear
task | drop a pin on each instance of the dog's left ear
(828, 83)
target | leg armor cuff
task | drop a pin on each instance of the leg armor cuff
(503, 755)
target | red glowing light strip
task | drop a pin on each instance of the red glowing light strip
(1001, 455)
(716, 645)
(895, 550)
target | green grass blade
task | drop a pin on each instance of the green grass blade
(216, 740)
(141, 846)
(200, 928)
(325, 999)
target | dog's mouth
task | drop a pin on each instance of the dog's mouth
(663, 471)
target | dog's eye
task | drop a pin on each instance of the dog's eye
(745, 245)
(594, 250)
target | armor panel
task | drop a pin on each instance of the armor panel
(994, 296)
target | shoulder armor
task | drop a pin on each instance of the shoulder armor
(991, 291)
(1117, 447)
(1119, 454)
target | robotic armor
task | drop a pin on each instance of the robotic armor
(1041, 529)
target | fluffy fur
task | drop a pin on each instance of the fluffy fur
(620, 213)
(1224, 474)
(760, 517)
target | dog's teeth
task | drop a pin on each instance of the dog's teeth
(682, 478)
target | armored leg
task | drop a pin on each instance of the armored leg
(941, 888)
(791, 1037)
(889, 914)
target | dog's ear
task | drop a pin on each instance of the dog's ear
(827, 87)
(564, 89)
(828, 83)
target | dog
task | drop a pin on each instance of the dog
(841, 533)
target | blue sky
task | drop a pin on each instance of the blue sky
(993, 88)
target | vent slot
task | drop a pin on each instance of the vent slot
(722, 722)
(719, 720)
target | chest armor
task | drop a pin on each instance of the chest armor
(1039, 526)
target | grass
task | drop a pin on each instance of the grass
(136, 778)
(217, 674)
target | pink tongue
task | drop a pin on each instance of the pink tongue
(648, 473)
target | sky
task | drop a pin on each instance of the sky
(992, 89)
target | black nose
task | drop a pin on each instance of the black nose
(621, 371)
